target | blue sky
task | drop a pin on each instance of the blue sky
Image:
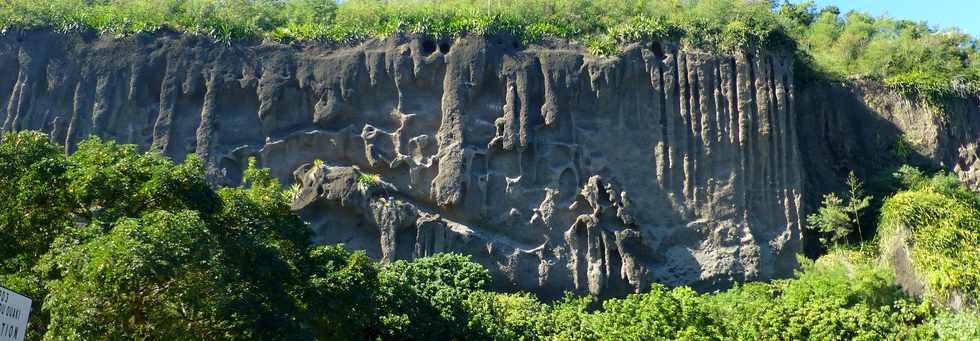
(964, 14)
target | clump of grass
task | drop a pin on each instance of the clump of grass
(601, 24)
(368, 179)
(937, 89)
(292, 192)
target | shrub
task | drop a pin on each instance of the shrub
(937, 220)
(837, 219)
(366, 179)
(658, 314)
(962, 326)
(506, 316)
(827, 300)
(423, 298)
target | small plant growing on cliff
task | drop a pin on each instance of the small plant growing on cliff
(292, 192)
(601, 45)
(903, 147)
(255, 176)
(832, 219)
(317, 163)
(839, 219)
(368, 179)
(856, 201)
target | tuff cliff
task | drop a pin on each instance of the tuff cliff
(864, 126)
(556, 169)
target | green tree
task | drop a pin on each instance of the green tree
(422, 298)
(137, 281)
(857, 201)
(35, 208)
(831, 219)
(839, 218)
(661, 313)
(34, 205)
(506, 316)
(110, 181)
(151, 247)
(342, 293)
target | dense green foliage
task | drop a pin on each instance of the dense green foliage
(939, 220)
(833, 300)
(827, 301)
(114, 243)
(909, 56)
(133, 245)
(723, 24)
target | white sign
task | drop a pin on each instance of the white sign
(14, 310)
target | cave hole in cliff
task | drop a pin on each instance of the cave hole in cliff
(231, 169)
(428, 47)
(567, 186)
(618, 282)
(444, 47)
(240, 124)
(405, 242)
(579, 246)
(658, 51)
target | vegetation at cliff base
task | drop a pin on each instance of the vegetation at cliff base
(115, 243)
(938, 221)
(119, 244)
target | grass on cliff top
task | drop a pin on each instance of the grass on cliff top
(715, 24)
(912, 57)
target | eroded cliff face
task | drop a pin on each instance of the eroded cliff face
(556, 169)
(870, 129)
